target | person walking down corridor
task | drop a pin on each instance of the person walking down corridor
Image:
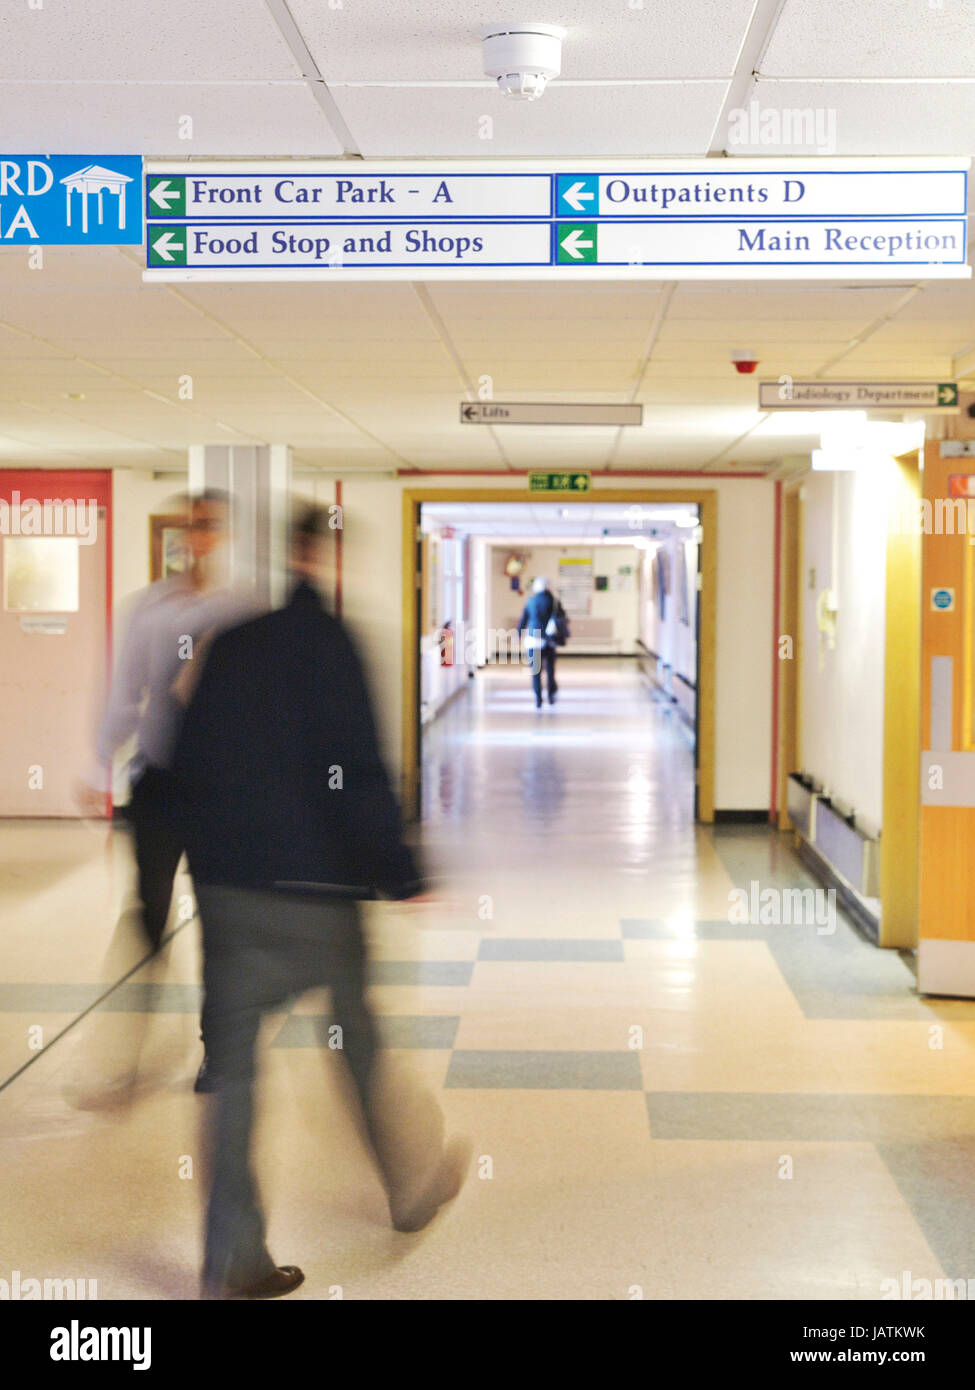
(168, 622)
(545, 628)
(289, 820)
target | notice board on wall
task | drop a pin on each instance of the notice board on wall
(575, 585)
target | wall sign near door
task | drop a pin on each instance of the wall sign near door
(46, 627)
(943, 600)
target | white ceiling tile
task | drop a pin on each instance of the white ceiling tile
(873, 38)
(570, 121)
(136, 41)
(896, 119)
(439, 40)
(231, 119)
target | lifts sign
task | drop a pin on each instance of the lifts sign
(727, 219)
(70, 200)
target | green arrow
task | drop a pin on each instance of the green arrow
(947, 393)
(167, 248)
(167, 197)
(577, 243)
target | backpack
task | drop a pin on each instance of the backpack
(557, 627)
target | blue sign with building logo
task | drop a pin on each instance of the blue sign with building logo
(70, 200)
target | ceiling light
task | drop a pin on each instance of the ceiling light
(850, 441)
(522, 57)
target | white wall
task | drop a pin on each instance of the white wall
(673, 641)
(137, 496)
(439, 683)
(842, 690)
(622, 609)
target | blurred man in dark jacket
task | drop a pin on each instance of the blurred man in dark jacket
(289, 819)
(543, 625)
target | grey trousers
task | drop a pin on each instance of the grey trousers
(260, 949)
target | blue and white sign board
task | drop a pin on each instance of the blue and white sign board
(729, 219)
(943, 600)
(70, 200)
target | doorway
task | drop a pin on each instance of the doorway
(55, 622)
(422, 619)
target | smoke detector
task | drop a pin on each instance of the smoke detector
(744, 361)
(522, 57)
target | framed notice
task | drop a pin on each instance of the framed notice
(575, 586)
(167, 546)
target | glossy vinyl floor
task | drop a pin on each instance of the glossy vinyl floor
(665, 1098)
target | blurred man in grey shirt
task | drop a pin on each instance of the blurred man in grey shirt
(168, 623)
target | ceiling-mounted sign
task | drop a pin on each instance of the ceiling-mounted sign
(559, 482)
(786, 394)
(358, 247)
(70, 200)
(774, 219)
(291, 193)
(545, 413)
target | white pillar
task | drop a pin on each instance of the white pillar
(258, 479)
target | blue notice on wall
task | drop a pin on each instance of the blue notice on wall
(70, 200)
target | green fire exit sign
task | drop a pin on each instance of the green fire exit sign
(558, 482)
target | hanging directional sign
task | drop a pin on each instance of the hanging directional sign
(786, 394)
(547, 413)
(775, 219)
(293, 193)
(344, 245)
(70, 200)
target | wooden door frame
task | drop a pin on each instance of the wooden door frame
(706, 501)
(787, 671)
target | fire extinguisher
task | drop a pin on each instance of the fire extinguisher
(446, 645)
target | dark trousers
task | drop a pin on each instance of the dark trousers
(260, 949)
(158, 849)
(544, 661)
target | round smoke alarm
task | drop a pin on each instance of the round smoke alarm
(522, 58)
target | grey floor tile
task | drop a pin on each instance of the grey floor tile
(395, 1030)
(545, 1071)
(519, 948)
(48, 998)
(937, 1179)
(767, 1116)
(420, 972)
(155, 998)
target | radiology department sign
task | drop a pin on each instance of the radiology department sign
(745, 219)
(70, 200)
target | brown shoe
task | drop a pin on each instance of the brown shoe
(447, 1182)
(284, 1280)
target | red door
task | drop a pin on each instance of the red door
(55, 624)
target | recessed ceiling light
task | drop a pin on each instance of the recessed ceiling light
(73, 395)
